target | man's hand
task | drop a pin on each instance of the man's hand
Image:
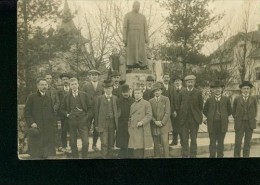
(139, 124)
(34, 125)
(158, 123)
(174, 114)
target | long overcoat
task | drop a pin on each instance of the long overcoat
(39, 109)
(90, 90)
(225, 112)
(238, 111)
(140, 137)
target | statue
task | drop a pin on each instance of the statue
(135, 36)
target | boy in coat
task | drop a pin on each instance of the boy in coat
(161, 122)
(217, 109)
(124, 103)
(77, 108)
(244, 113)
(190, 111)
(106, 119)
(139, 128)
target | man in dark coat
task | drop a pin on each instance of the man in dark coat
(147, 92)
(190, 111)
(124, 103)
(39, 114)
(106, 119)
(116, 86)
(94, 89)
(244, 113)
(217, 109)
(77, 108)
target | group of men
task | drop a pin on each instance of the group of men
(134, 121)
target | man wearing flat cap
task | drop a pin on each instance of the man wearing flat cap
(106, 119)
(115, 76)
(244, 113)
(147, 92)
(94, 88)
(161, 121)
(217, 109)
(124, 103)
(190, 111)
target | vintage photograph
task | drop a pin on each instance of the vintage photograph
(146, 79)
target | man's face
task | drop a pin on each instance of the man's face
(217, 90)
(48, 78)
(149, 84)
(65, 81)
(166, 79)
(42, 86)
(158, 92)
(178, 82)
(136, 7)
(138, 94)
(115, 79)
(125, 94)
(108, 90)
(74, 86)
(190, 83)
(94, 77)
(245, 90)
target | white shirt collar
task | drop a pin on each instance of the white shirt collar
(190, 89)
(66, 88)
(157, 98)
(43, 94)
(108, 96)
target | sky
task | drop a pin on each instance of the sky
(231, 24)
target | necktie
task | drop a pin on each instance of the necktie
(75, 94)
(108, 98)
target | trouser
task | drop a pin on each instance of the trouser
(161, 145)
(57, 135)
(239, 134)
(137, 153)
(95, 134)
(64, 131)
(80, 128)
(175, 131)
(123, 153)
(216, 138)
(107, 138)
(189, 130)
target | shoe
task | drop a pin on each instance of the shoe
(96, 149)
(173, 143)
(60, 149)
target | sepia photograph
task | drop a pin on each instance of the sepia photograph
(146, 79)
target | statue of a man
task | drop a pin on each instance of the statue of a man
(135, 36)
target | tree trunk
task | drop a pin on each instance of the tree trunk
(184, 68)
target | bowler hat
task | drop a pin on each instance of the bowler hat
(217, 83)
(65, 75)
(176, 77)
(246, 83)
(125, 88)
(92, 71)
(157, 86)
(33, 132)
(149, 78)
(107, 83)
(115, 73)
(190, 77)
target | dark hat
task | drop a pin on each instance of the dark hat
(94, 71)
(33, 132)
(190, 77)
(107, 83)
(149, 78)
(156, 86)
(246, 83)
(115, 73)
(217, 83)
(176, 77)
(65, 75)
(122, 82)
(125, 88)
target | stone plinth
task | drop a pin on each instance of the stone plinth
(133, 77)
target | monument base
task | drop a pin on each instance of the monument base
(133, 77)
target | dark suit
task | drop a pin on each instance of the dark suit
(217, 113)
(244, 113)
(78, 120)
(148, 94)
(190, 111)
(93, 93)
(117, 92)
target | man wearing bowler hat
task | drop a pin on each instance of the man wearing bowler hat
(94, 88)
(115, 76)
(190, 111)
(244, 113)
(147, 92)
(217, 109)
(106, 119)
(161, 121)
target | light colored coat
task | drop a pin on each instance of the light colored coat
(161, 112)
(140, 137)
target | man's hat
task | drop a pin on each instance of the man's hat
(65, 75)
(190, 77)
(33, 132)
(156, 86)
(217, 83)
(125, 88)
(246, 83)
(107, 83)
(176, 77)
(115, 73)
(149, 78)
(92, 71)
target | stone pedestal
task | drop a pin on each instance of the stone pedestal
(133, 77)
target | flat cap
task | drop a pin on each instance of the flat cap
(246, 83)
(156, 86)
(65, 75)
(190, 77)
(94, 71)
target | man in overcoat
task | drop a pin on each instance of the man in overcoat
(244, 113)
(190, 111)
(39, 114)
(217, 109)
(106, 118)
(94, 88)
(147, 93)
(124, 103)
(77, 108)
(139, 128)
(161, 121)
